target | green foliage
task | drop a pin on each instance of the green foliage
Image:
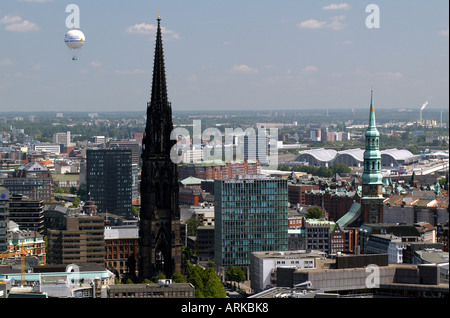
(234, 273)
(314, 213)
(192, 225)
(75, 202)
(323, 172)
(160, 276)
(178, 278)
(135, 210)
(206, 282)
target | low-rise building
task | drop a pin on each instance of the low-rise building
(264, 265)
(165, 288)
(121, 243)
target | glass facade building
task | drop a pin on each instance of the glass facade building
(4, 198)
(109, 180)
(251, 215)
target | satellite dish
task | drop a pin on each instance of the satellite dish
(75, 40)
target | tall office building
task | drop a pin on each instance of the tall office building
(81, 240)
(159, 224)
(62, 139)
(251, 215)
(109, 180)
(27, 213)
(4, 198)
(372, 179)
(134, 146)
(257, 146)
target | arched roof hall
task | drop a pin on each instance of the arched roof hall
(354, 157)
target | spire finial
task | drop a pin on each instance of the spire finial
(159, 17)
(371, 100)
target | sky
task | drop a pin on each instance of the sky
(226, 55)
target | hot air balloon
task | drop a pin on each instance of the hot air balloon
(75, 40)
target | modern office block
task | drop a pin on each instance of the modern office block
(109, 180)
(251, 216)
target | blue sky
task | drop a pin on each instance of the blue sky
(226, 55)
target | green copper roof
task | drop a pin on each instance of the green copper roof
(372, 155)
(372, 131)
(349, 216)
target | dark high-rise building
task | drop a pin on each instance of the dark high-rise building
(4, 198)
(159, 226)
(27, 213)
(109, 180)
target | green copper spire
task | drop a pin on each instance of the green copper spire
(372, 155)
(372, 130)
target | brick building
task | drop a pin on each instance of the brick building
(121, 245)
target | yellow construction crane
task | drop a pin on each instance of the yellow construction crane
(22, 252)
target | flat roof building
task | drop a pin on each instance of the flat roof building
(251, 215)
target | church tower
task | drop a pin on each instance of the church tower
(372, 181)
(159, 225)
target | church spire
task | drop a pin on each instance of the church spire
(159, 86)
(159, 218)
(372, 156)
(372, 121)
(159, 111)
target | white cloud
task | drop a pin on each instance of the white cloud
(310, 69)
(6, 62)
(443, 32)
(336, 23)
(311, 24)
(96, 64)
(24, 26)
(392, 74)
(131, 72)
(17, 24)
(10, 19)
(337, 6)
(243, 69)
(367, 74)
(145, 28)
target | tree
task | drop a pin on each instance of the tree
(192, 225)
(206, 282)
(75, 202)
(160, 276)
(234, 273)
(213, 288)
(178, 278)
(314, 213)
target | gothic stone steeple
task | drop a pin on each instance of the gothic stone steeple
(372, 183)
(159, 225)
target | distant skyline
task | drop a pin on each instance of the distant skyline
(226, 55)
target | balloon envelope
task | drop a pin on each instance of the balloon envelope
(74, 39)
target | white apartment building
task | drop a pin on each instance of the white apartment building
(263, 265)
